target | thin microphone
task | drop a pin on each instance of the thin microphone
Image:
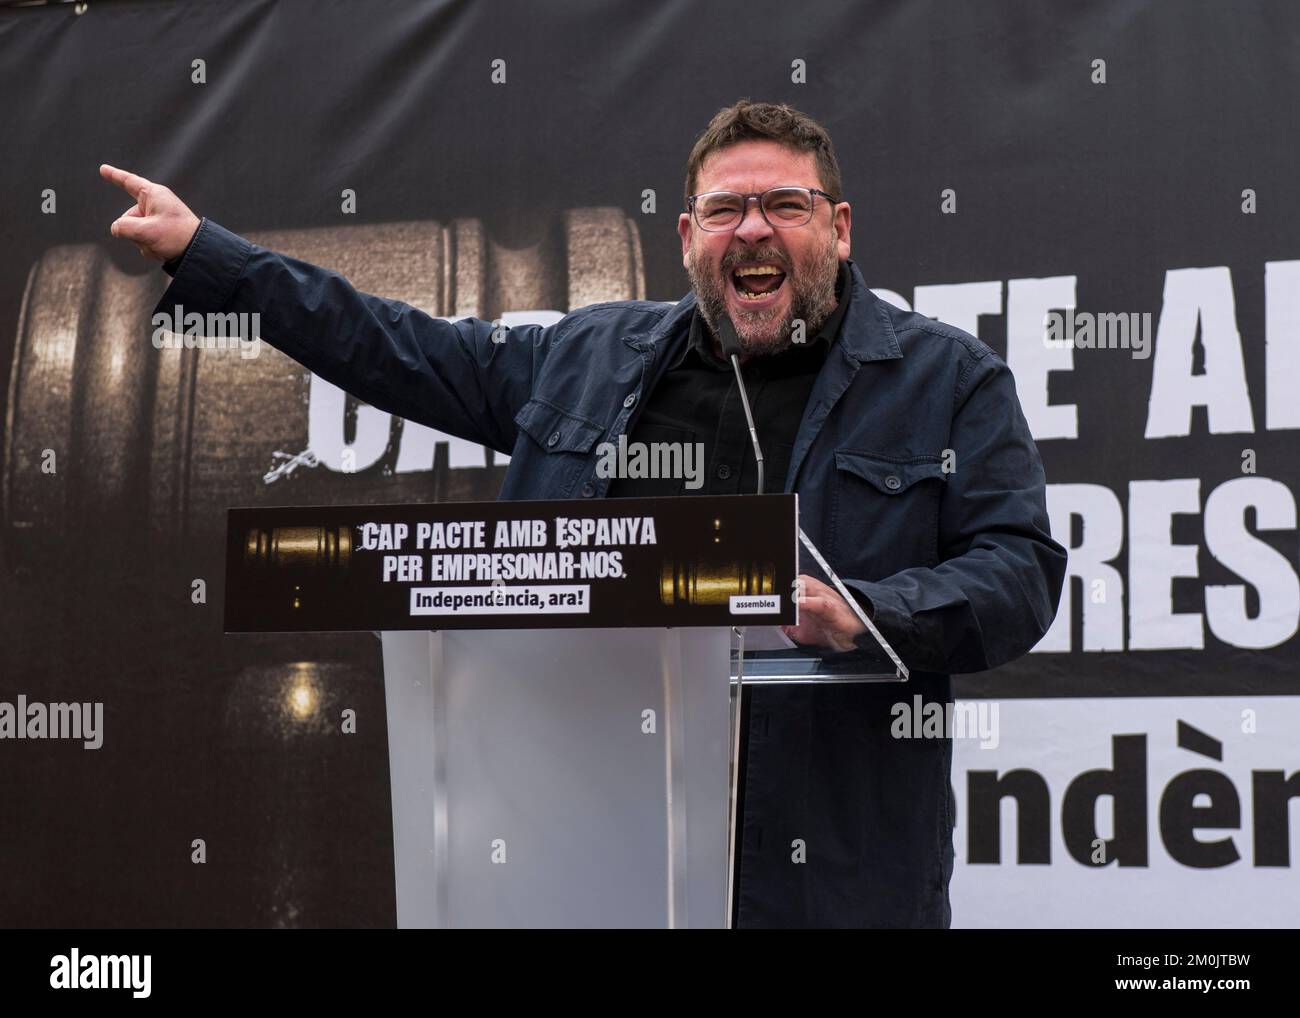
(731, 348)
(730, 343)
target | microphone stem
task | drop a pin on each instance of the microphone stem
(749, 418)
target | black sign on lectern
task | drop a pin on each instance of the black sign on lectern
(693, 561)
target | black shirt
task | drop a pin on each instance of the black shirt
(697, 401)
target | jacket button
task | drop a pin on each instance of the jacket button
(630, 402)
(724, 471)
(893, 483)
(588, 490)
(555, 437)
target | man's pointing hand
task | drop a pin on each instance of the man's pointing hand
(159, 224)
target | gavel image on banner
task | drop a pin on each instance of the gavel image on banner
(298, 562)
(714, 582)
(167, 438)
(316, 549)
(714, 575)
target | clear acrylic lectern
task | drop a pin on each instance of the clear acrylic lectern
(578, 777)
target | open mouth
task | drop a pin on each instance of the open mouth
(757, 283)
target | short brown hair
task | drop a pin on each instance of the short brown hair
(747, 121)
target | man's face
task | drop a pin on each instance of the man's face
(807, 257)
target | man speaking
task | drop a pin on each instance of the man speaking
(915, 469)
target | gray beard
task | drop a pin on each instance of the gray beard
(763, 332)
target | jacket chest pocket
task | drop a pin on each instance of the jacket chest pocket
(561, 442)
(885, 510)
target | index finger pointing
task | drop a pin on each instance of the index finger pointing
(128, 182)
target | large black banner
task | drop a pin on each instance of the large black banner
(1104, 194)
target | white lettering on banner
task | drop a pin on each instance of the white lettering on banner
(1197, 303)
(326, 405)
(382, 536)
(1103, 584)
(1198, 814)
(896, 298)
(1156, 563)
(419, 443)
(1263, 567)
(570, 532)
(1197, 320)
(960, 304)
(1198, 297)
(1031, 360)
(1281, 344)
(416, 447)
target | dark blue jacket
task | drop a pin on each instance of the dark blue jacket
(917, 477)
